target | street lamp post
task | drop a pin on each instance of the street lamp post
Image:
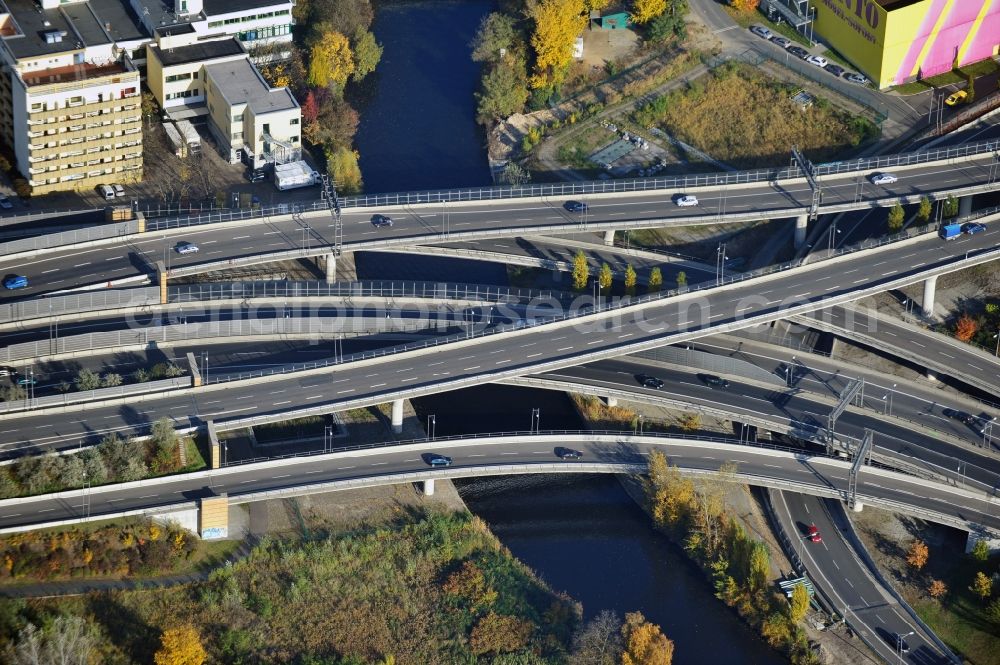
(536, 417)
(431, 426)
(885, 404)
(891, 391)
(996, 351)
(640, 423)
(899, 645)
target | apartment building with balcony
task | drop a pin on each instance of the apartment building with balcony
(70, 102)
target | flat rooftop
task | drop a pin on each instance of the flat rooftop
(119, 20)
(217, 7)
(160, 13)
(210, 50)
(76, 29)
(72, 73)
(240, 83)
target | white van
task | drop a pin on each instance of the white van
(107, 192)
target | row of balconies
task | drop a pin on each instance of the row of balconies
(40, 156)
(92, 134)
(131, 102)
(130, 109)
(131, 160)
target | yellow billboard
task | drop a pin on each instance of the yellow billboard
(898, 41)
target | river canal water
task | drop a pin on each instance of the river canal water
(583, 534)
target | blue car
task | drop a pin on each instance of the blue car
(15, 282)
(972, 228)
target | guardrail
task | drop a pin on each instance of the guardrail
(85, 234)
(98, 394)
(224, 215)
(109, 299)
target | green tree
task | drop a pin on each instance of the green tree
(630, 279)
(581, 271)
(111, 380)
(993, 611)
(669, 25)
(605, 278)
(342, 164)
(503, 93)
(497, 32)
(691, 422)
(950, 207)
(896, 218)
(497, 633)
(330, 59)
(670, 494)
(982, 585)
(925, 210)
(682, 279)
(799, 603)
(87, 379)
(367, 54)
(760, 566)
(980, 551)
(655, 279)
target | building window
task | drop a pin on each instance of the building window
(293, 121)
(182, 94)
(238, 118)
(294, 139)
(237, 136)
(177, 77)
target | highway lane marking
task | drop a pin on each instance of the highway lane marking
(45, 272)
(437, 363)
(13, 515)
(500, 362)
(287, 401)
(508, 453)
(287, 475)
(245, 397)
(378, 385)
(379, 463)
(596, 341)
(147, 496)
(918, 344)
(946, 355)
(535, 355)
(467, 369)
(835, 565)
(80, 265)
(240, 237)
(344, 468)
(317, 471)
(244, 482)
(476, 455)
(849, 582)
(47, 510)
(623, 336)
(565, 348)
(412, 378)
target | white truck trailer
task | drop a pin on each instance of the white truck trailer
(294, 174)
(190, 135)
(179, 144)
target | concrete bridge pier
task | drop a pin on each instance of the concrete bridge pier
(429, 487)
(927, 304)
(611, 401)
(161, 280)
(801, 225)
(609, 238)
(397, 416)
(330, 261)
(858, 507)
(965, 206)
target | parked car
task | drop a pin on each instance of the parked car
(107, 191)
(437, 460)
(973, 228)
(186, 248)
(882, 178)
(119, 191)
(956, 98)
(27, 381)
(783, 42)
(568, 453)
(5, 203)
(378, 221)
(12, 282)
(686, 200)
(651, 382)
(817, 60)
(255, 175)
(713, 381)
(812, 533)
(856, 79)
(798, 51)
(836, 70)
(7, 371)
(761, 31)
(576, 206)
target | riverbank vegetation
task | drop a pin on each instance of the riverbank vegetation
(526, 50)
(333, 48)
(693, 512)
(429, 587)
(739, 115)
(116, 459)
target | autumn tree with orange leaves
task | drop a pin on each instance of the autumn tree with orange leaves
(965, 328)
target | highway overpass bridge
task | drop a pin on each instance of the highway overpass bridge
(102, 254)
(505, 352)
(509, 454)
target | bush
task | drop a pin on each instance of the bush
(87, 379)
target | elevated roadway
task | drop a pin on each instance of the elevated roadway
(572, 341)
(617, 452)
(312, 234)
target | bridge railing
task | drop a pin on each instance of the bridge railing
(233, 424)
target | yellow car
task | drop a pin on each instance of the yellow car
(956, 97)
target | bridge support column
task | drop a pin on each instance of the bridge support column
(927, 304)
(612, 401)
(161, 280)
(801, 225)
(965, 206)
(429, 487)
(609, 238)
(196, 378)
(397, 416)
(331, 268)
(858, 506)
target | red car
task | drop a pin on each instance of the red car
(812, 533)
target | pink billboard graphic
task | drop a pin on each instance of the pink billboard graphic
(958, 26)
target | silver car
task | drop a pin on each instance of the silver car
(883, 178)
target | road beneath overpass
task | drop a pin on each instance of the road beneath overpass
(310, 234)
